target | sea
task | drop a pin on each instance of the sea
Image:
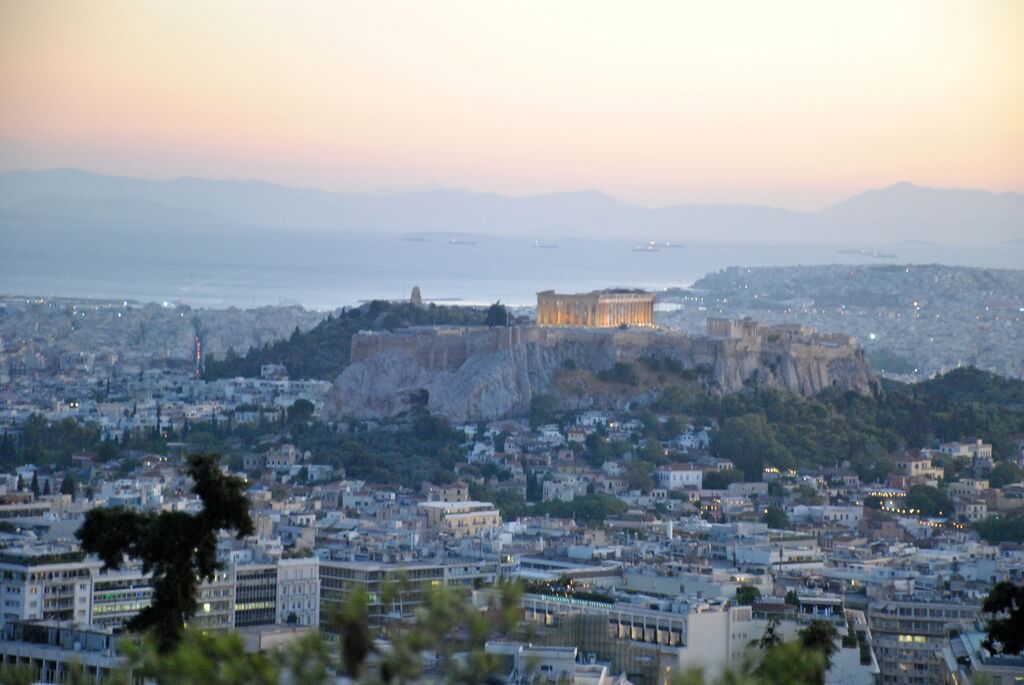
(221, 267)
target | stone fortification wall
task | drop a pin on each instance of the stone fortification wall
(441, 348)
(469, 373)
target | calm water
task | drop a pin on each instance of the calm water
(220, 268)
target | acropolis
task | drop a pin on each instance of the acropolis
(597, 309)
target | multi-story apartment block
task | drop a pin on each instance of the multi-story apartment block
(679, 476)
(909, 635)
(966, 661)
(255, 597)
(215, 602)
(407, 582)
(118, 595)
(967, 450)
(339, 580)
(49, 582)
(650, 640)
(460, 519)
(49, 647)
(918, 467)
(298, 591)
(967, 487)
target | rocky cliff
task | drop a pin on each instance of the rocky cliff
(473, 373)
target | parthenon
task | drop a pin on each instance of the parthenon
(597, 309)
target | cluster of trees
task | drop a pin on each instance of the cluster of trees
(324, 351)
(44, 443)
(928, 500)
(620, 372)
(1002, 528)
(764, 427)
(51, 443)
(425, 446)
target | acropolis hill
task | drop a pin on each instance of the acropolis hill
(480, 373)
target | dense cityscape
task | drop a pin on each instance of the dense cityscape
(664, 533)
(913, 320)
(511, 343)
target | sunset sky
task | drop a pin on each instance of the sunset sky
(794, 104)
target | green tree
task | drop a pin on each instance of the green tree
(770, 638)
(820, 636)
(788, 663)
(497, 315)
(776, 518)
(300, 411)
(68, 485)
(1005, 603)
(928, 500)
(719, 480)
(180, 549)
(542, 409)
(35, 484)
(747, 595)
(200, 657)
(639, 475)
(1002, 528)
(1005, 473)
(620, 372)
(598, 450)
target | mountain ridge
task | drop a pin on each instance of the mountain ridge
(902, 211)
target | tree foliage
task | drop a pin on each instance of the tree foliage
(747, 595)
(1002, 528)
(622, 373)
(928, 500)
(324, 351)
(776, 518)
(820, 636)
(542, 409)
(180, 549)
(1005, 601)
(1005, 473)
(497, 315)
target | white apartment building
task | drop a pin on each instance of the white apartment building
(298, 591)
(679, 476)
(47, 581)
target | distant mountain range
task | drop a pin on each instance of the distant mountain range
(901, 212)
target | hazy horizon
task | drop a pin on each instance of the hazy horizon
(432, 187)
(794, 105)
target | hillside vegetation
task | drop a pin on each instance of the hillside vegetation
(323, 351)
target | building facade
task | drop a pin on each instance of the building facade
(909, 636)
(48, 582)
(597, 309)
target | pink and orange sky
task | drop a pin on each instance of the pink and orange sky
(795, 104)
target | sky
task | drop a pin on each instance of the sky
(789, 103)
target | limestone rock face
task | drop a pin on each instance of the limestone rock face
(488, 385)
(486, 374)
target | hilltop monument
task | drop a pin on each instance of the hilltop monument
(597, 309)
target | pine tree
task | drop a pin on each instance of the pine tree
(35, 484)
(179, 548)
(67, 486)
